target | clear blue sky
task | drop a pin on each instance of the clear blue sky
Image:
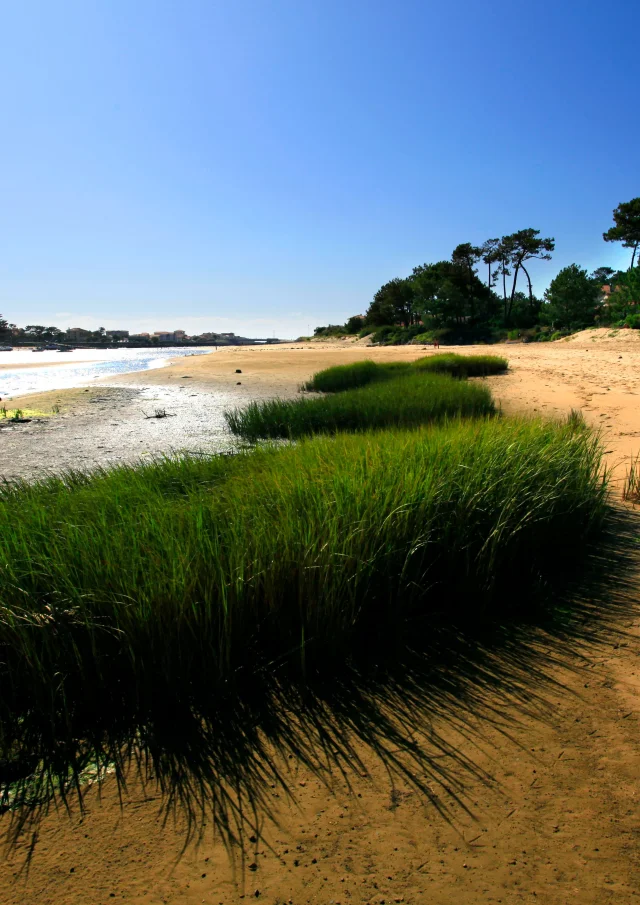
(266, 166)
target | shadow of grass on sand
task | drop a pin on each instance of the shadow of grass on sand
(225, 762)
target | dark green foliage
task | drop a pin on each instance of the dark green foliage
(573, 299)
(393, 303)
(331, 330)
(396, 336)
(626, 297)
(354, 325)
(407, 401)
(448, 293)
(516, 249)
(136, 598)
(604, 276)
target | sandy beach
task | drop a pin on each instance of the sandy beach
(531, 784)
(596, 372)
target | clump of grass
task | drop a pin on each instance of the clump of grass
(462, 366)
(349, 377)
(575, 419)
(21, 414)
(407, 401)
(146, 591)
(360, 373)
(631, 488)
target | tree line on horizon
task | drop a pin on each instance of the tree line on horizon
(451, 300)
(38, 333)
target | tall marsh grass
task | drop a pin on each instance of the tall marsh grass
(407, 401)
(461, 366)
(133, 595)
(360, 373)
(348, 377)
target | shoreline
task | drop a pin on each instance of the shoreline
(21, 366)
(596, 372)
(23, 378)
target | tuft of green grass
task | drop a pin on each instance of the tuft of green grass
(349, 377)
(407, 401)
(360, 373)
(134, 594)
(631, 487)
(462, 366)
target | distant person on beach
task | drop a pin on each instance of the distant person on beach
(436, 344)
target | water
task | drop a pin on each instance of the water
(72, 369)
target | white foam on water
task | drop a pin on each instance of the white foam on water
(79, 367)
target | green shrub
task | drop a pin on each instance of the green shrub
(381, 334)
(406, 401)
(134, 597)
(396, 335)
(334, 330)
(430, 336)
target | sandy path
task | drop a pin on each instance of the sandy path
(543, 773)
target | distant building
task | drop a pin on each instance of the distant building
(170, 336)
(118, 334)
(78, 334)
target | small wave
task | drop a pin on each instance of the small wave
(68, 375)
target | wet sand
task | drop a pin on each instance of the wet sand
(36, 364)
(102, 426)
(530, 785)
